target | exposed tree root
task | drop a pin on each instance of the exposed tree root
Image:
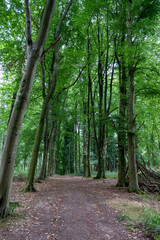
(4, 212)
(28, 188)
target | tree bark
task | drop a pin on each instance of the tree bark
(133, 178)
(52, 161)
(30, 177)
(22, 99)
(79, 147)
(89, 132)
(84, 143)
(43, 172)
(31, 172)
(122, 119)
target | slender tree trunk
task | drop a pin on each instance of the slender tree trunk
(57, 147)
(133, 178)
(30, 177)
(153, 155)
(69, 160)
(84, 144)
(121, 132)
(79, 147)
(89, 134)
(43, 172)
(100, 142)
(123, 100)
(22, 99)
(31, 172)
(52, 161)
(75, 140)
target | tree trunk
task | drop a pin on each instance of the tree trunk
(69, 160)
(133, 178)
(30, 177)
(22, 99)
(84, 143)
(101, 127)
(79, 147)
(121, 130)
(89, 133)
(31, 172)
(52, 162)
(57, 147)
(75, 140)
(45, 152)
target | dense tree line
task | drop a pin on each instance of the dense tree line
(89, 86)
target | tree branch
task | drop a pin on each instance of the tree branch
(51, 46)
(71, 85)
(57, 37)
(44, 26)
(28, 28)
(145, 10)
(62, 19)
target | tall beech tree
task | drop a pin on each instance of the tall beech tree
(34, 51)
(133, 177)
(30, 177)
(122, 74)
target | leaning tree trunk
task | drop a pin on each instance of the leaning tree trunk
(31, 172)
(22, 99)
(30, 177)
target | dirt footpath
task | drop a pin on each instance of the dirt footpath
(67, 208)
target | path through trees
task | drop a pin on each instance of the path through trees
(66, 208)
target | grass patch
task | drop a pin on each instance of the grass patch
(144, 214)
(132, 209)
(111, 174)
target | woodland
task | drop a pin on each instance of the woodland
(79, 92)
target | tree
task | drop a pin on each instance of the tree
(34, 51)
(30, 177)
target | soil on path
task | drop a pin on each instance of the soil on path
(67, 208)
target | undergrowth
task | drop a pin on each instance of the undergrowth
(148, 220)
(151, 218)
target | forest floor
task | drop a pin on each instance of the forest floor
(70, 208)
